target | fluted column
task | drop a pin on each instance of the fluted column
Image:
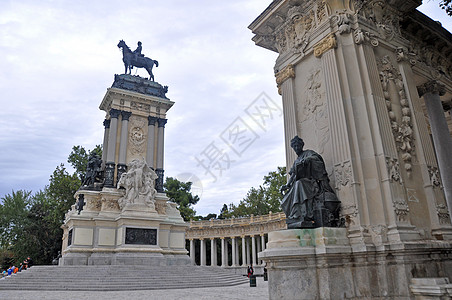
(243, 251)
(105, 143)
(122, 167)
(151, 142)
(213, 252)
(203, 252)
(253, 249)
(192, 250)
(160, 151)
(234, 254)
(284, 80)
(223, 264)
(111, 151)
(431, 91)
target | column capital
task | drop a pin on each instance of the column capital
(107, 124)
(221, 237)
(286, 73)
(212, 238)
(126, 115)
(152, 120)
(114, 113)
(329, 42)
(433, 87)
(162, 122)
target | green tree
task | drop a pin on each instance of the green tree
(179, 192)
(447, 6)
(261, 200)
(13, 214)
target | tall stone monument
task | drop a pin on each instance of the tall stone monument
(365, 84)
(122, 215)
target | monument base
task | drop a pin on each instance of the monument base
(104, 234)
(321, 264)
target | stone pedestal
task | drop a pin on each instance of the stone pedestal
(322, 264)
(102, 234)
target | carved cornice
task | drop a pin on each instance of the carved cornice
(329, 42)
(283, 75)
(433, 87)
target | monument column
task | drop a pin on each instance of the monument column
(431, 91)
(263, 243)
(111, 151)
(192, 251)
(151, 141)
(203, 252)
(213, 252)
(105, 143)
(160, 150)
(234, 254)
(226, 252)
(284, 80)
(243, 251)
(248, 253)
(122, 166)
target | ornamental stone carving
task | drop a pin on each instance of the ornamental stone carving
(329, 42)
(139, 184)
(283, 75)
(433, 87)
(393, 169)
(433, 172)
(361, 36)
(404, 55)
(137, 136)
(343, 174)
(443, 214)
(401, 124)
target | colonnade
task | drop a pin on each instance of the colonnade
(110, 154)
(231, 242)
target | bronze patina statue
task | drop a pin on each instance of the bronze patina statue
(310, 201)
(136, 59)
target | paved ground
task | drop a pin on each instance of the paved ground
(233, 293)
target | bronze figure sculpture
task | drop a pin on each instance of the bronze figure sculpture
(136, 59)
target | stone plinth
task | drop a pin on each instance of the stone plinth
(103, 234)
(321, 264)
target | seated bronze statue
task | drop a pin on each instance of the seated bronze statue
(310, 201)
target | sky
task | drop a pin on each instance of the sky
(57, 59)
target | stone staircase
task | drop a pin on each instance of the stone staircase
(119, 278)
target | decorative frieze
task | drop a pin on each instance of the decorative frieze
(329, 42)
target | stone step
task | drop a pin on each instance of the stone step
(117, 278)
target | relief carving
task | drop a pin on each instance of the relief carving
(361, 36)
(343, 174)
(137, 136)
(283, 75)
(435, 180)
(443, 214)
(400, 113)
(393, 170)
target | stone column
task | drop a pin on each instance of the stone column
(431, 91)
(263, 244)
(234, 254)
(151, 141)
(111, 151)
(253, 249)
(213, 252)
(160, 151)
(258, 248)
(285, 82)
(222, 252)
(122, 166)
(243, 251)
(226, 252)
(192, 251)
(248, 253)
(237, 253)
(105, 143)
(203, 252)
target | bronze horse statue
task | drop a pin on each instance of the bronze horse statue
(131, 60)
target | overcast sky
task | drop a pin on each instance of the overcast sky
(57, 59)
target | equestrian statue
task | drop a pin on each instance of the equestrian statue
(136, 59)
